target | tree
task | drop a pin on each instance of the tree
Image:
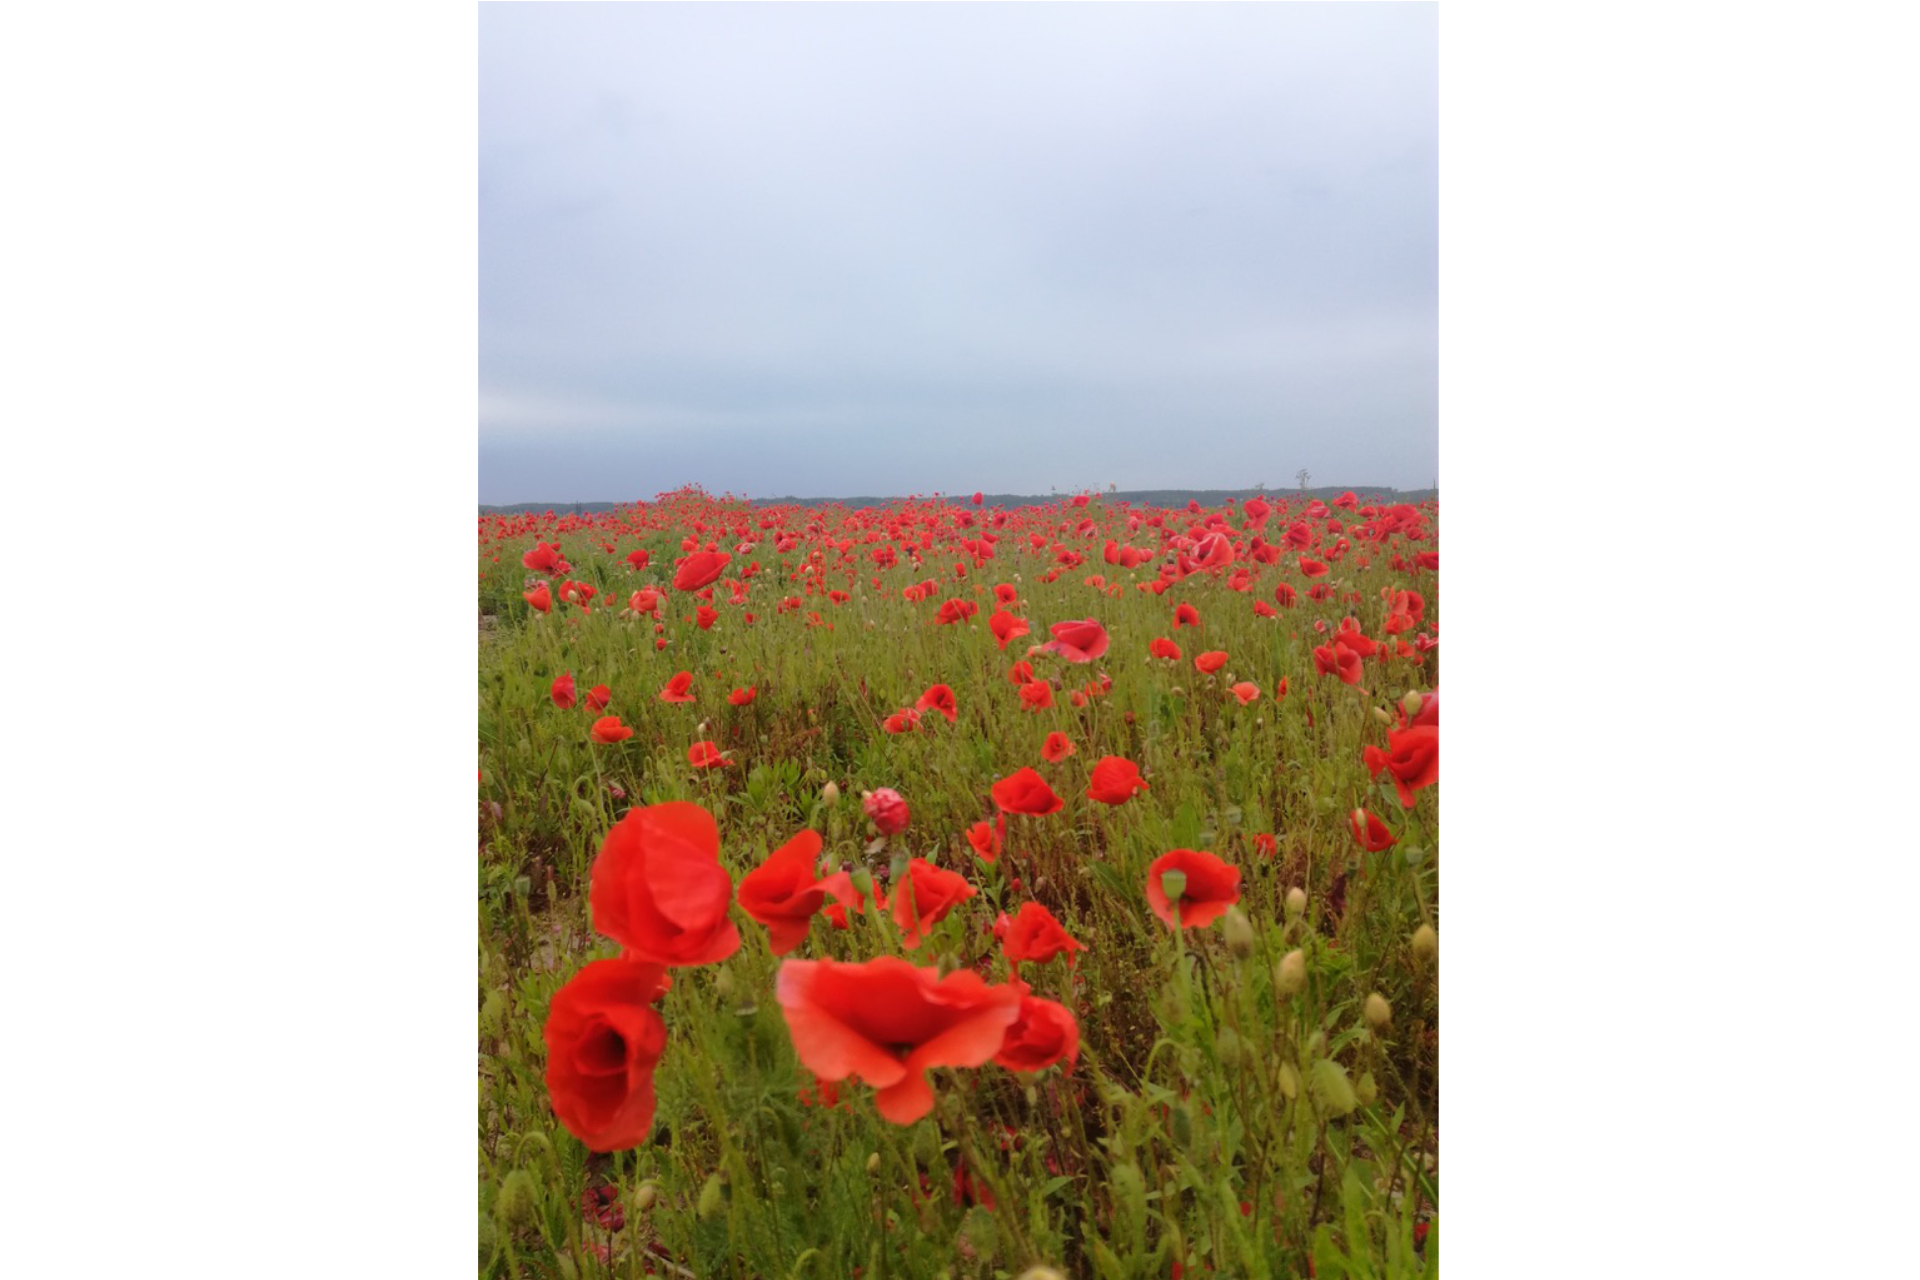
(1305, 477)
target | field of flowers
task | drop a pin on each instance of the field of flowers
(954, 890)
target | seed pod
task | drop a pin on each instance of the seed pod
(830, 794)
(1378, 1012)
(1296, 902)
(644, 1196)
(1290, 975)
(1426, 945)
(1238, 931)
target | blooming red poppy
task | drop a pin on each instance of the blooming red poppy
(1078, 641)
(1161, 647)
(1056, 748)
(1208, 663)
(1280, 690)
(1372, 834)
(784, 893)
(598, 697)
(1036, 695)
(887, 1022)
(609, 730)
(701, 569)
(1265, 610)
(678, 687)
(1284, 595)
(540, 598)
(645, 600)
(1034, 934)
(939, 698)
(1337, 660)
(603, 1040)
(888, 809)
(923, 897)
(1005, 626)
(704, 617)
(1185, 615)
(705, 755)
(1044, 1033)
(1265, 845)
(1426, 717)
(1246, 691)
(1025, 791)
(1199, 884)
(1005, 593)
(1115, 780)
(1021, 672)
(545, 559)
(741, 697)
(562, 692)
(639, 559)
(658, 889)
(1412, 757)
(1311, 568)
(901, 722)
(985, 839)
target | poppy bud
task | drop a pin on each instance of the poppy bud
(1365, 1089)
(1290, 974)
(1238, 931)
(1382, 715)
(1411, 703)
(1289, 1081)
(644, 1195)
(1426, 945)
(723, 984)
(873, 1163)
(863, 881)
(1041, 1273)
(711, 1197)
(830, 794)
(1378, 1012)
(518, 1199)
(1296, 901)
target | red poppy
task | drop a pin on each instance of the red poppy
(1311, 568)
(1036, 695)
(658, 888)
(1161, 647)
(609, 730)
(888, 809)
(1185, 615)
(545, 559)
(562, 692)
(1428, 715)
(1203, 888)
(1005, 626)
(603, 1040)
(705, 755)
(1056, 748)
(1044, 1033)
(598, 697)
(1025, 791)
(678, 687)
(939, 698)
(783, 893)
(1337, 660)
(955, 610)
(887, 1022)
(1021, 672)
(704, 617)
(1373, 834)
(1208, 663)
(985, 839)
(1412, 757)
(1246, 691)
(540, 598)
(1034, 934)
(1265, 845)
(645, 600)
(1115, 780)
(1079, 641)
(639, 559)
(1005, 593)
(741, 697)
(923, 897)
(1284, 595)
(701, 569)
(901, 722)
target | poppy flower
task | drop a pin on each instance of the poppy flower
(1115, 780)
(1161, 647)
(1199, 884)
(1005, 593)
(1021, 672)
(609, 730)
(888, 809)
(658, 889)
(923, 897)
(1208, 663)
(598, 697)
(1185, 615)
(1311, 568)
(1025, 791)
(1372, 834)
(1034, 934)
(1265, 845)
(1006, 627)
(784, 893)
(705, 755)
(1412, 757)
(639, 559)
(1036, 695)
(1428, 715)
(1044, 1033)
(901, 722)
(741, 697)
(701, 569)
(562, 692)
(887, 1022)
(939, 698)
(1080, 641)
(1284, 595)
(678, 687)
(603, 1040)
(544, 559)
(1246, 691)
(704, 617)
(954, 611)
(985, 839)
(1337, 660)
(1056, 748)
(540, 598)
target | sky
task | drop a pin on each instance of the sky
(820, 250)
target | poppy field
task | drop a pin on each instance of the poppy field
(947, 889)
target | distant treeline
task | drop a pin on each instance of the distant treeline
(1138, 497)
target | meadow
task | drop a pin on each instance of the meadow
(948, 890)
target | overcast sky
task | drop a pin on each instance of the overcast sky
(888, 248)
